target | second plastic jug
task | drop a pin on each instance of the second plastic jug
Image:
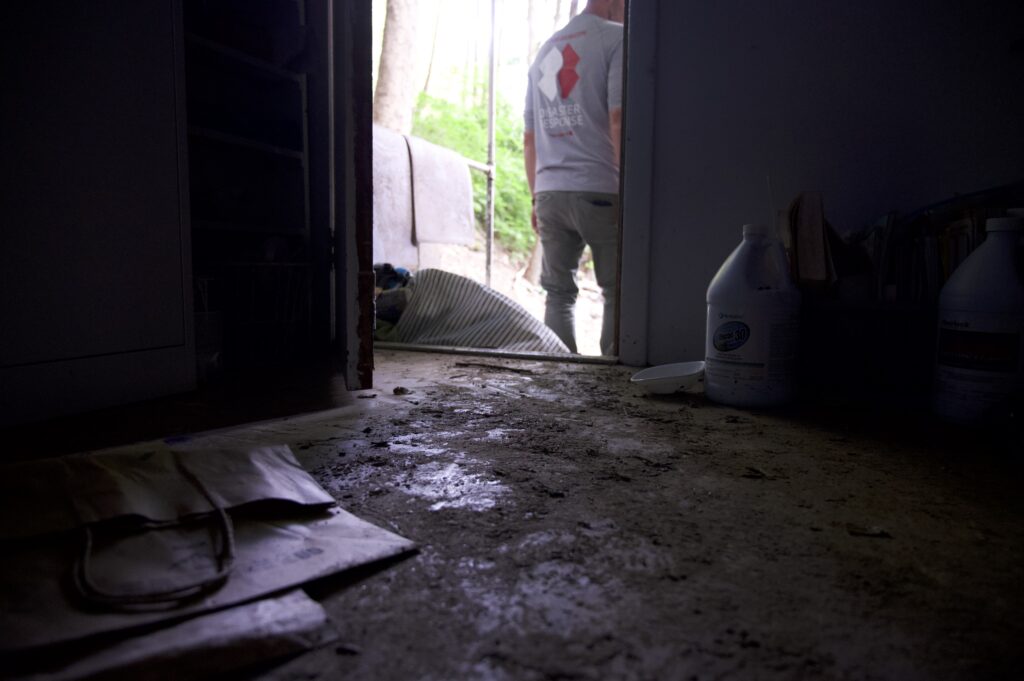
(753, 325)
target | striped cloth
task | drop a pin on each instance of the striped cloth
(450, 310)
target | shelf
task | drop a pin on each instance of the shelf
(243, 58)
(217, 226)
(257, 263)
(242, 189)
(247, 143)
(247, 107)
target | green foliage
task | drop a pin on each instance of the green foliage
(464, 129)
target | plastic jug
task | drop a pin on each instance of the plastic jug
(753, 325)
(979, 363)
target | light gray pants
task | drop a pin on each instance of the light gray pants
(569, 221)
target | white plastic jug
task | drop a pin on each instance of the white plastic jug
(979, 363)
(753, 325)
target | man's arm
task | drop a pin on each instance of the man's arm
(530, 156)
(615, 129)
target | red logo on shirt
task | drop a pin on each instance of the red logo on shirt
(567, 76)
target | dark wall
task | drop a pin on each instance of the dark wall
(95, 297)
(880, 105)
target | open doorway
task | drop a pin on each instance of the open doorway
(448, 73)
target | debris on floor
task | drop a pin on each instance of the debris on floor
(217, 644)
(572, 525)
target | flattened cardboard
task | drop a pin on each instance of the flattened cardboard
(285, 534)
(206, 646)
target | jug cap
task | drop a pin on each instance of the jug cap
(758, 229)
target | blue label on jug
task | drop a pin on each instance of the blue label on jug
(730, 336)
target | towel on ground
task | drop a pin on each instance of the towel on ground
(450, 310)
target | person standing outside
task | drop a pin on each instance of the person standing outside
(571, 144)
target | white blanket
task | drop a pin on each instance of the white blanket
(450, 310)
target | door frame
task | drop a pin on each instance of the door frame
(637, 181)
(351, 172)
(352, 118)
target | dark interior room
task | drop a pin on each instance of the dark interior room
(208, 469)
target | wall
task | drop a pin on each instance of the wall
(95, 268)
(879, 105)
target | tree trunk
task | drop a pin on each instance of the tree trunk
(395, 98)
(477, 99)
(433, 51)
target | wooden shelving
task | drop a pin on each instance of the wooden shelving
(249, 175)
(246, 143)
(266, 67)
(238, 227)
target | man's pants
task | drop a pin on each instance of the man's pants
(567, 222)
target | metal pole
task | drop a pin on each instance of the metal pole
(490, 144)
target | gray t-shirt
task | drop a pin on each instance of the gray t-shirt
(574, 82)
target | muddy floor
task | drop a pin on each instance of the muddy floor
(572, 527)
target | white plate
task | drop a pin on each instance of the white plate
(666, 379)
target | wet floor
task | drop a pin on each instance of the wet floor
(572, 527)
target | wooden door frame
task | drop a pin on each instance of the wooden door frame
(352, 181)
(352, 28)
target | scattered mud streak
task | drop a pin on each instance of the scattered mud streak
(574, 528)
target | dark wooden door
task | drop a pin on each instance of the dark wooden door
(95, 282)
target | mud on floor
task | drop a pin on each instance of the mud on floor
(572, 527)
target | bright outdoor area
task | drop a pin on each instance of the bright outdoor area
(435, 69)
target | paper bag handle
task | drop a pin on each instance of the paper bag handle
(94, 595)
